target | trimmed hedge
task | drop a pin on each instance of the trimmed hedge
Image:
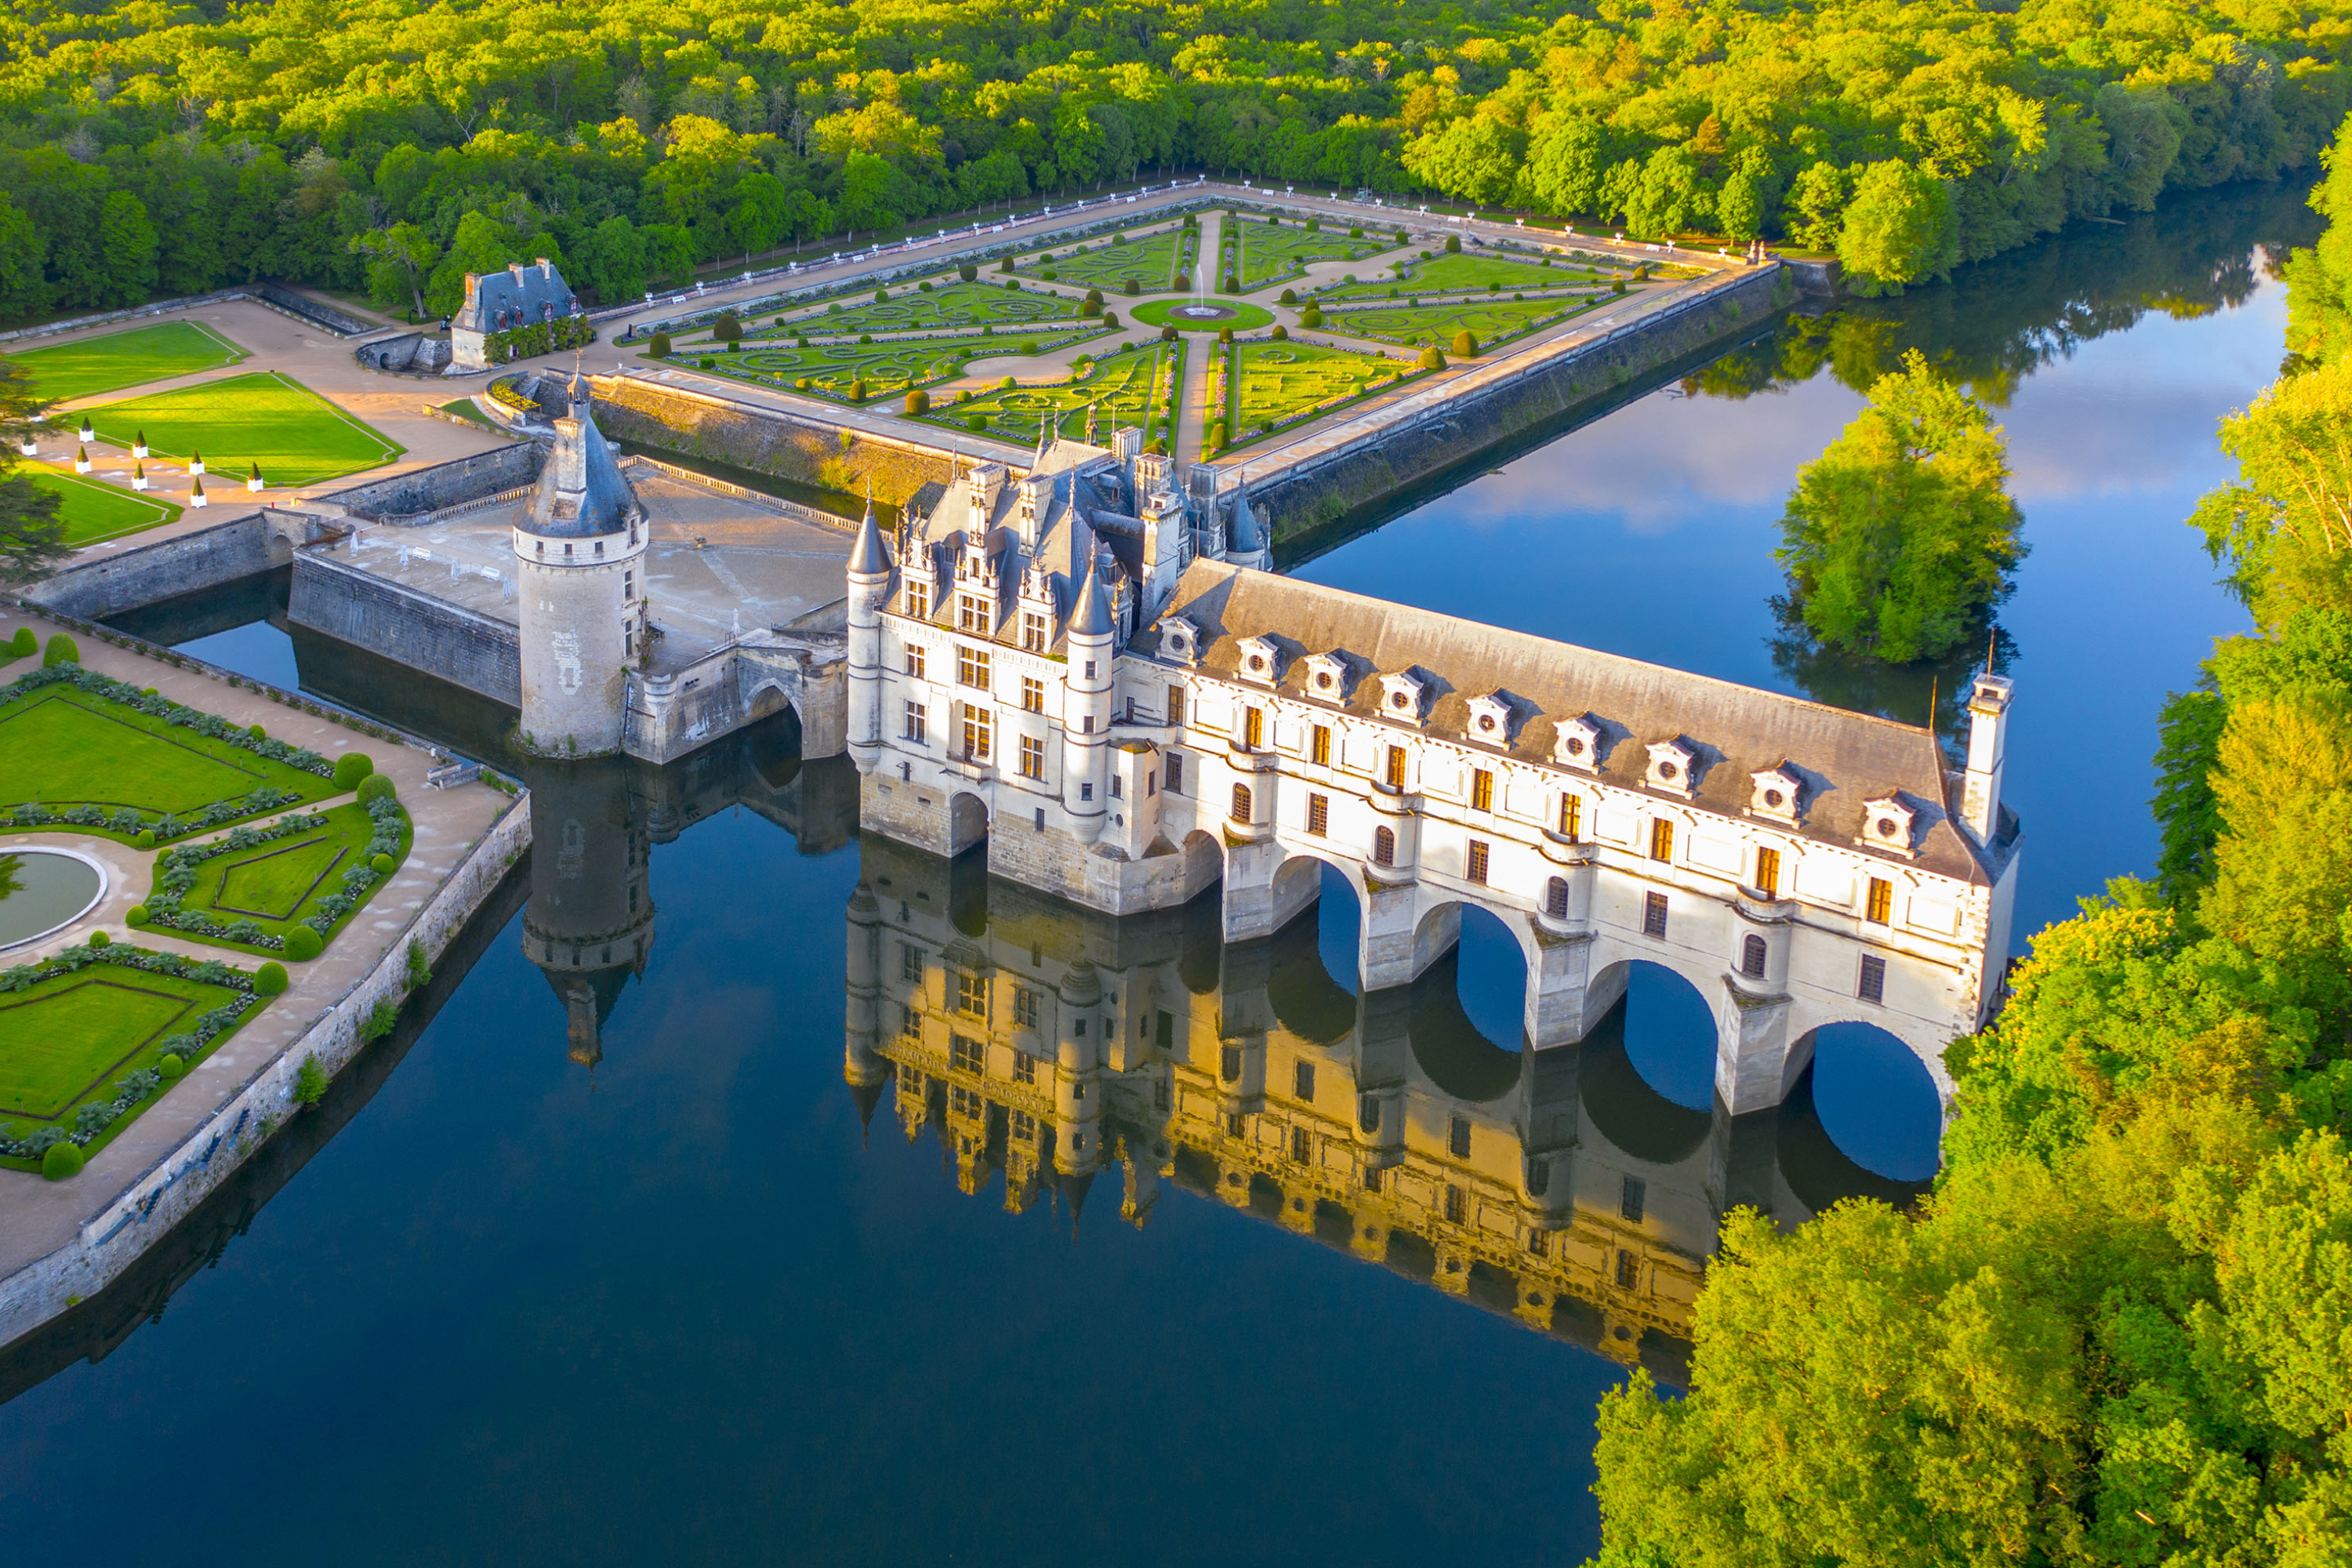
(352, 767)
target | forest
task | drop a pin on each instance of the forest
(150, 148)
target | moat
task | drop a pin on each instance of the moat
(606, 1261)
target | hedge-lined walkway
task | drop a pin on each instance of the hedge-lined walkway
(38, 1216)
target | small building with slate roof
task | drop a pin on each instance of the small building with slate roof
(500, 302)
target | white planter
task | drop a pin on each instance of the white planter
(198, 467)
(139, 483)
(81, 465)
(139, 451)
(254, 484)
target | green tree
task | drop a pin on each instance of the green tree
(127, 241)
(1898, 229)
(1901, 535)
(32, 534)
(2284, 526)
(401, 257)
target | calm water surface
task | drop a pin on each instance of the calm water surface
(606, 1263)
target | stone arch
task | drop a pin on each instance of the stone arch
(1878, 1097)
(967, 822)
(1654, 1001)
(1309, 997)
(768, 696)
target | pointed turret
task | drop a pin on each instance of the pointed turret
(1090, 617)
(869, 557)
(869, 586)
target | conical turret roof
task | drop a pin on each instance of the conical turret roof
(1090, 617)
(867, 558)
(580, 493)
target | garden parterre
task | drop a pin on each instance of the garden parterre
(886, 369)
(1132, 386)
(116, 360)
(954, 304)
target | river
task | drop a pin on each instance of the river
(599, 1259)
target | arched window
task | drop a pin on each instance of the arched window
(1383, 846)
(1751, 957)
(1556, 898)
(1241, 803)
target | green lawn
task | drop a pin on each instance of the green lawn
(65, 748)
(888, 369)
(1451, 274)
(93, 511)
(1279, 381)
(279, 884)
(1245, 317)
(1270, 252)
(69, 1039)
(1493, 320)
(953, 305)
(1136, 386)
(93, 365)
(298, 436)
(1107, 265)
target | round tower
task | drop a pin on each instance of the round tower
(589, 925)
(579, 588)
(1085, 709)
(869, 588)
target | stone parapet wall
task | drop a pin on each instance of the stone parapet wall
(187, 563)
(111, 1240)
(807, 451)
(443, 484)
(473, 651)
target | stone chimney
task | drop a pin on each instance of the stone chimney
(1987, 746)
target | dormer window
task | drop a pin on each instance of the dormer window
(1577, 745)
(1180, 639)
(1887, 824)
(1327, 677)
(1260, 661)
(1401, 698)
(1775, 796)
(1670, 767)
(1490, 721)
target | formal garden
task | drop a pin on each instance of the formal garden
(116, 360)
(1439, 326)
(1151, 260)
(1258, 387)
(1450, 272)
(1134, 385)
(930, 307)
(862, 373)
(93, 512)
(1262, 251)
(281, 888)
(94, 1034)
(267, 418)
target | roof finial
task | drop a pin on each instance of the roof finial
(1932, 693)
(1992, 637)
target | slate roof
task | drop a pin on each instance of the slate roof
(516, 297)
(580, 493)
(1844, 758)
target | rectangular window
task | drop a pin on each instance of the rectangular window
(1477, 863)
(916, 730)
(1320, 752)
(1303, 1079)
(1033, 757)
(1538, 1244)
(1253, 729)
(1653, 915)
(1457, 1137)
(1085, 792)
(1025, 1065)
(1661, 839)
(1167, 1027)
(1241, 803)
(1371, 1178)
(1175, 703)
(1118, 786)
(1032, 694)
(1879, 910)
(1319, 815)
(1629, 1201)
(1090, 669)
(919, 600)
(1396, 768)
(1571, 816)
(1301, 1148)
(979, 733)
(1032, 631)
(967, 1056)
(1874, 979)
(1024, 1010)
(971, 667)
(1629, 1270)
(909, 1022)
(914, 661)
(1482, 789)
(1457, 1206)
(1175, 772)
(1768, 872)
(972, 995)
(1025, 1126)
(910, 961)
(972, 613)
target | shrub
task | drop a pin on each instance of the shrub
(1167, 334)
(311, 1082)
(352, 767)
(659, 347)
(1311, 317)
(377, 786)
(1110, 318)
(61, 650)
(1225, 334)
(857, 390)
(302, 945)
(1183, 281)
(61, 1161)
(1132, 288)
(1005, 265)
(1617, 285)
(968, 272)
(707, 362)
(257, 732)
(975, 422)
(1431, 358)
(144, 839)
(1216, 433)
(381, 865)
(924, 287)
(135, 916)
(727, 329)
(1191, 220)
(420, 968)
(1280, 333)
(24, 645)
(1290, 296)
(1314, 225)
(172, 1065)
(1355, 234)
(1013, 284)
(1453, 244)
(1232, 283)
(269, 979)
(1466, 345)
(1009, 383)
(99, 938)
(918, 402)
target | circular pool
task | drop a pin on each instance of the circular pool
(43, 889)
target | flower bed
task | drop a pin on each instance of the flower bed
(177, 875)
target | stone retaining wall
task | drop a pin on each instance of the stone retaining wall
(114, 1237)
(238, 547)
(466, 650)
(444, 484)
(831, 457)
